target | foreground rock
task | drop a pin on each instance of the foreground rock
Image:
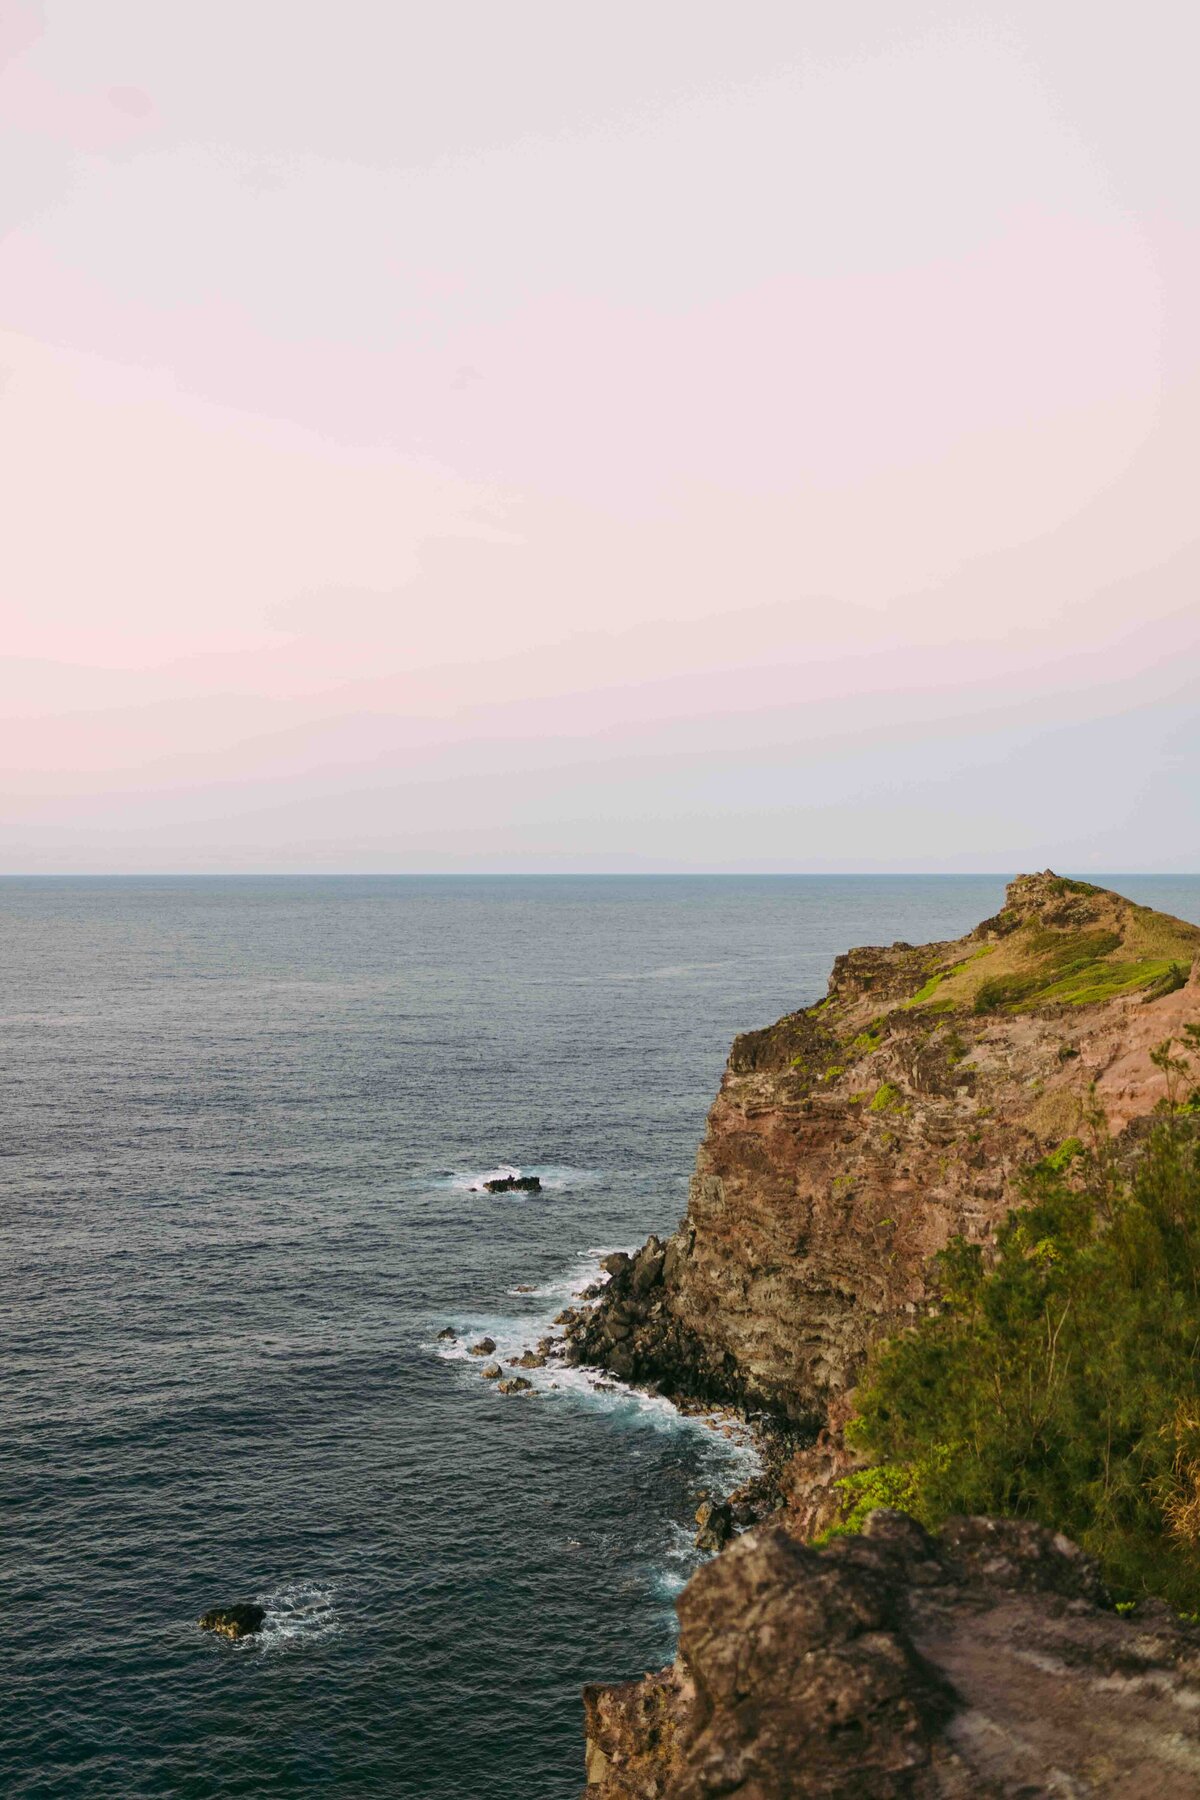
(238, 1621)
(514, 1184)
(851, 1140)
(485, 1347)
(982, 1664)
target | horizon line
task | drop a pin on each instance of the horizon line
(563, 874)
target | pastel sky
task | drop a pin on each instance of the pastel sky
(659, 434)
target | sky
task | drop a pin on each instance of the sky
(644, 436)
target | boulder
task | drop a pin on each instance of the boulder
(492, 1372)
(514, 1184)
(527, 1360)
(891, 1665)
(485, 1347)
(239, 1621)
(447, 1336)
(516, 1384)
(715, 1520)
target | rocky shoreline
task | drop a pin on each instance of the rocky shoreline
(848, 1143)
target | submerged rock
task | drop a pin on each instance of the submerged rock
(514, 1184)
(239, 1621)
(485, 1347)
(448, 1335)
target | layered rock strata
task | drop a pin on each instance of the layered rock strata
(982, 1664)
(851, 1140)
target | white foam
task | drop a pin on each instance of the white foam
(554, 1177)
(581, 1384)
(299, 1613)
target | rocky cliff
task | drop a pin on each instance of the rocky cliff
(853, 1139)
(984, 1664)
(849, 1142)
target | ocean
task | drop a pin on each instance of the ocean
(246, 1124)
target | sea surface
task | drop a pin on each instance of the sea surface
(245, 1127)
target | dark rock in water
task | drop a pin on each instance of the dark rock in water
(238, 1621)
(516, 1384)
(492, 1372)
(716, 1525)
(448, 1336)
(528, 1359)
(485, 1347)
(514, 1184)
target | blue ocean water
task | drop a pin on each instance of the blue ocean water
(245, 1123)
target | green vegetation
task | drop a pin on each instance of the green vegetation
(1062, 943)
(886, 1098)
(928, 991)
(1059, 1379)
(868, 1039)
(1053, 960)
(1175, 977)
(1064, 885)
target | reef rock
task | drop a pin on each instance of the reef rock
(984, 1664)
(239, 1621)
(514, 1184)
(851, 1140)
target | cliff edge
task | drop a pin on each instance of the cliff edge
(851, 1140)
(983, 1664)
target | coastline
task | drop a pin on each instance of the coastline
(848, 1144)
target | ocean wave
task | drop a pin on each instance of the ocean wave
(554, 1177)
(299, 1613)
(515, 1332)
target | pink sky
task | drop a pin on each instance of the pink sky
(539, 437)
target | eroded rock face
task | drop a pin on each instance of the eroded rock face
(985, 1662)
(852, 1140)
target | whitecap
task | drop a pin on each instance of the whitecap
(299, 1613)
(554, 1177)
(732, 1443)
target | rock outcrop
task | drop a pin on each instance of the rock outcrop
(849, 1142)
(242, 1620)
(853, 1139)
(981, 1664)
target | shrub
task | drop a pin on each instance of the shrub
(1060, 1379)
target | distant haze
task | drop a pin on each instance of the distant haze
(542, 435)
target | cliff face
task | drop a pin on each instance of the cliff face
(984, 1663)
(848, 1143)
(852, 1140)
